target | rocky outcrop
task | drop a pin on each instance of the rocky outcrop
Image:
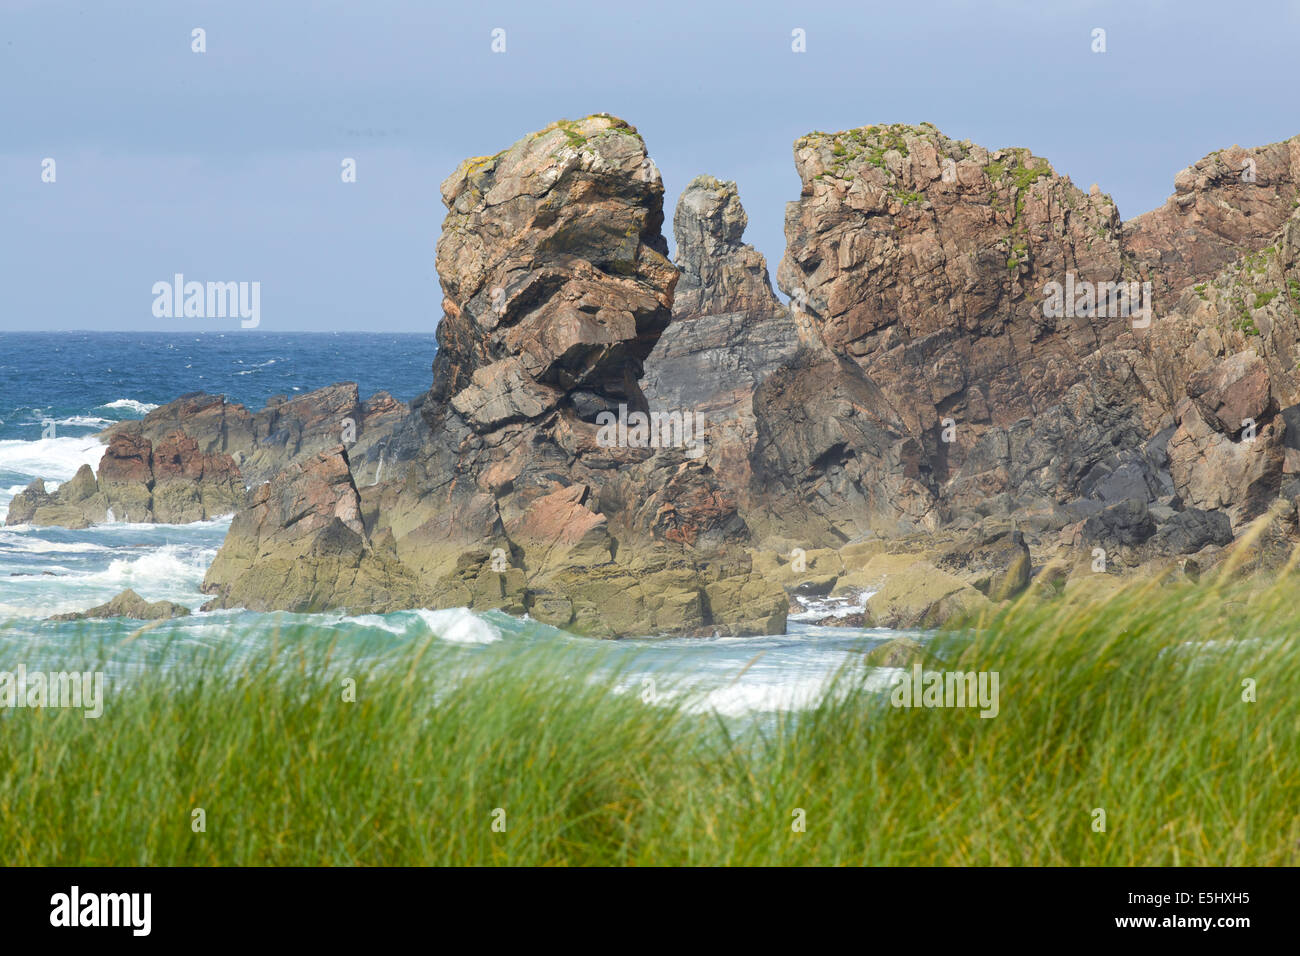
(729, 330)
(539, 483)
(982, 371)
(194, 458)
(1225, 206)
(77, 503)
(130, 605)
(301, 543)
(261, 444)
(955, 389)
(1226, 361)
(172, 483)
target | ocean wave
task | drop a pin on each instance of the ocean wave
(130, 404)
(741, 699)
(33, 545)
(162, 569)
(54, 459)
(378, 621)
(460, 625)
(119, 526)
(84, 421)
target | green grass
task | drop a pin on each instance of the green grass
(1118, 705)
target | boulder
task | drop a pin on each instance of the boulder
(897, 652)
(922, 596)
(1233, 393)
(130, 605)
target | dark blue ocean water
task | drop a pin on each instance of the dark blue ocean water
(82, 381)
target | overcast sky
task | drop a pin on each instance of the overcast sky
(225, 165)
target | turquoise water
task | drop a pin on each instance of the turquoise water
(84, 381)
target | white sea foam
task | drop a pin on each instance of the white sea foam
(814, 609)
(84, 421)
(739, 699)
(163, 568)
(30, 544)
(54, 459)
(460, 626)
(140, 408)
(377, 621)
(119, 526)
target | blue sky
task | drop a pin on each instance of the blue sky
(225, 165)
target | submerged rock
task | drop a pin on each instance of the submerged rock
(128, 604)
(899, 652)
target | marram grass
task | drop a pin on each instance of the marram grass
(1133, 706)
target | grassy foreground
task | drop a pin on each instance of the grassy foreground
(1119, 706)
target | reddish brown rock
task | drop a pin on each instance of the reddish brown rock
(1232, 393)
(925, 263)
(1213, 471)
(126, 476)
(301, 542)
(191, 486)
(1224, 206)
(921, 386)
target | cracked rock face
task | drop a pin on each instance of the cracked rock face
(957, 397)
(925, 263)
(555, 275)
(193, 458)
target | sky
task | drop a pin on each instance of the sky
(226, 165)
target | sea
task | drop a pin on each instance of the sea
(59, 389)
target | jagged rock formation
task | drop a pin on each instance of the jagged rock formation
(729, 331)
(955, 395)
(520, 495)
(983, 370)
(261, 444)
(194, 458)
(921, 262)
(1227, 205)
(172, 483)
(1227, 363)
